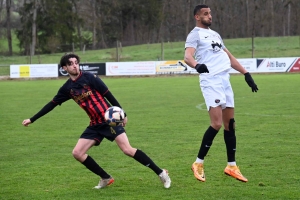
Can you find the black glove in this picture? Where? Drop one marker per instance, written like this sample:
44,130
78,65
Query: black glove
201,68
250,82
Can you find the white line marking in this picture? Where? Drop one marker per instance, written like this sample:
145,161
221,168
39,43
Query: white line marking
199,106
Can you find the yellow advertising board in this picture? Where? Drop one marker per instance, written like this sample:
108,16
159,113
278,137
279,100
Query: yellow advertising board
24,71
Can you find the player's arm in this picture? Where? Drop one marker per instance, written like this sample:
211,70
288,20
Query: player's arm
190,61
189,57
234,63
113,101
237,66
100,86
103,89
59,98
47,108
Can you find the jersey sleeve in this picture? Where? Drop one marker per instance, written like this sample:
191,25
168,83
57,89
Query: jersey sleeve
47,108
98,84
58,99
61,96
192,40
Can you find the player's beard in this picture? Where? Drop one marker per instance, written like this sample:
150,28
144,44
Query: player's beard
206,23
74,72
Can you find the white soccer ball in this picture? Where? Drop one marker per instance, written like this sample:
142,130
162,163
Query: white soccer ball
114,116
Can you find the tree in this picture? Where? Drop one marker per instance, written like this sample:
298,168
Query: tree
100,23
54,25
1,15
79,23
8,26
272,18
1,8
188,13
33,39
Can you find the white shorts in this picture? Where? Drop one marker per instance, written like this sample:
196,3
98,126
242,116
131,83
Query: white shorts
217,91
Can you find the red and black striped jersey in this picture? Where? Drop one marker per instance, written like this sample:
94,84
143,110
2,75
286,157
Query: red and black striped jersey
88,92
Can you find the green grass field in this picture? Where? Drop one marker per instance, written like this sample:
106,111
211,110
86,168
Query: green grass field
167,119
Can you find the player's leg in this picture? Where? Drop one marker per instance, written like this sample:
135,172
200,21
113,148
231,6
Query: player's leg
214,98
80,149
88,139
207,140
215,115
141,157
229,134
230,141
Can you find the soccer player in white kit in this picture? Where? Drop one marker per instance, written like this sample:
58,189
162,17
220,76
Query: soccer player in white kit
206,52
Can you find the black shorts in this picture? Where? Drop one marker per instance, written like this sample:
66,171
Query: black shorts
99,132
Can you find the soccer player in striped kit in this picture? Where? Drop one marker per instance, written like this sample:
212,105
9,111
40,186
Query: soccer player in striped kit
93,96
206,52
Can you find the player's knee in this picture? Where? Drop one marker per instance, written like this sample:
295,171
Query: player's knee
76,154
129,151
216,125
231,124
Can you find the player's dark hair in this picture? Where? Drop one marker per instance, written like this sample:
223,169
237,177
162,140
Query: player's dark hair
199,7
64,61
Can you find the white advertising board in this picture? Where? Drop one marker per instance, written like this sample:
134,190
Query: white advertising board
33,71
248,63
274,64
130,68
173,67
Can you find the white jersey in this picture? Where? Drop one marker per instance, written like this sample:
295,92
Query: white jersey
209,50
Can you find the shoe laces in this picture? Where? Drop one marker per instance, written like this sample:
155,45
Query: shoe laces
200,168
164,176
236,170
104,182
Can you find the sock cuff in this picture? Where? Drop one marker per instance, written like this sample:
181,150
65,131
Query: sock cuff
137,153
229,133
86,160
212,130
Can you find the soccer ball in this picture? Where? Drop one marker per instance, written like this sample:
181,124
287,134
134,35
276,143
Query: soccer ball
114,116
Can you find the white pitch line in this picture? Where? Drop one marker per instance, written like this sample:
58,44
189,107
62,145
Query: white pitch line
199,106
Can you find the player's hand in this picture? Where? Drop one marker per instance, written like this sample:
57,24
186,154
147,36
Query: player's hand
124,122
26,122
250,82
201,68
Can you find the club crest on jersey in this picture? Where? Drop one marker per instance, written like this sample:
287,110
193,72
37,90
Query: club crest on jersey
217,101
216,46
87,87
74,93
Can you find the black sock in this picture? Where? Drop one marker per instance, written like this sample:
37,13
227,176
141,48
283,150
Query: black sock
207,140
94,167
230,141
142,158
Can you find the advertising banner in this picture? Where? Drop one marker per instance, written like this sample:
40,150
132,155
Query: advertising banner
180,67
94,68
295,67
275,64
173,67
248,63
33,71
130,68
